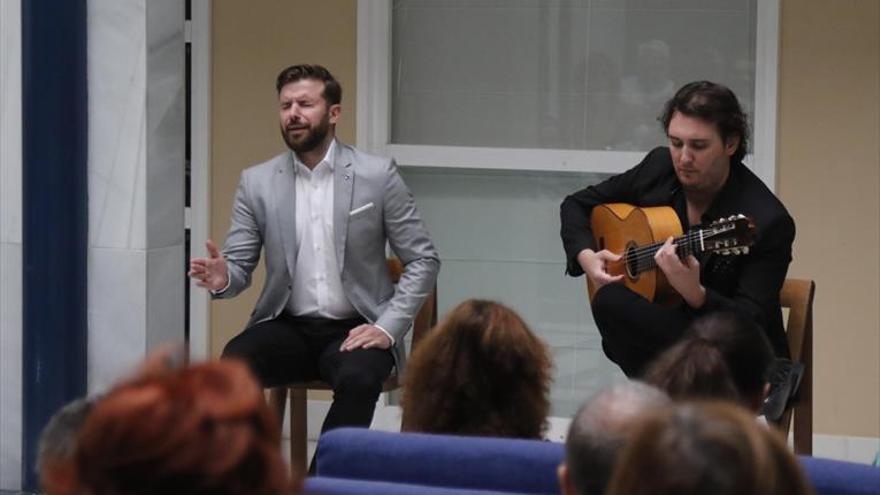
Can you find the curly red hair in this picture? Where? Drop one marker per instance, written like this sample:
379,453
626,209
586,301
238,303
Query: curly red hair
198,430
481,371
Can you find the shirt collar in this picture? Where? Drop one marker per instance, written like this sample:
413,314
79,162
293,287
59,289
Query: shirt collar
328,160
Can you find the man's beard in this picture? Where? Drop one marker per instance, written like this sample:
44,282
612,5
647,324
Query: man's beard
313,138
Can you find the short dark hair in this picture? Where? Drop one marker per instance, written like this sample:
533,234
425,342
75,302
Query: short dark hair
332,90
58,442
716,104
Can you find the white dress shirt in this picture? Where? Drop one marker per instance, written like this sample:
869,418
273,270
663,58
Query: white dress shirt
317,284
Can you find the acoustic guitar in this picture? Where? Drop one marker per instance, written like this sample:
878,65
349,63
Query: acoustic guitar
638,233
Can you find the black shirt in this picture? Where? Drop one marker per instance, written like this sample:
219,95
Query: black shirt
747,284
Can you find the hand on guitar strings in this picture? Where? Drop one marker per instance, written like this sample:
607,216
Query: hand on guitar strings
683,275
595,265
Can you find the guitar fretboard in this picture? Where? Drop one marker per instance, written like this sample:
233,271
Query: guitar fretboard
641,259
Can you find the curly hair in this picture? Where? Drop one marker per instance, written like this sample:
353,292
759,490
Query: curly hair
199,430
716,104
481,371
706,448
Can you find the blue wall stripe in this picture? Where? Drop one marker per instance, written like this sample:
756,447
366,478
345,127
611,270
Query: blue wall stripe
54,214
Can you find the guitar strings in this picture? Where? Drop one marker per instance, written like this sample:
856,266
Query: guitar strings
646,253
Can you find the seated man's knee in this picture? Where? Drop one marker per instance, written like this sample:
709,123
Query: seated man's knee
238,347
359,383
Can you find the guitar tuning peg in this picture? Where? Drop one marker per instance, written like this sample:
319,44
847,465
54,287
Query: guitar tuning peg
745,250
731,218
735,251
740,216
725,252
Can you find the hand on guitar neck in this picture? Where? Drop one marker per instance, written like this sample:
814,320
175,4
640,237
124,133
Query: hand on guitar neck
682,274
630,250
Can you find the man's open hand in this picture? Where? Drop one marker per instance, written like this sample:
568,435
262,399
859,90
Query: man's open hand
210,272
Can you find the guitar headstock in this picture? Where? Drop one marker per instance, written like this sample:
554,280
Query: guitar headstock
731,235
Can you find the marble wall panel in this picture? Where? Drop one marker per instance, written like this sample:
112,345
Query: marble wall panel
10,366
10,122
166,126
117,314
10,245
117,123
136,181
165,296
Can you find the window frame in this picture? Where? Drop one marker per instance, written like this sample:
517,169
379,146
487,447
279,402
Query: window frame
374,110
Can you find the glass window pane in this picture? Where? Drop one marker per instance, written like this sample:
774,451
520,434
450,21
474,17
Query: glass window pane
497,233
559,74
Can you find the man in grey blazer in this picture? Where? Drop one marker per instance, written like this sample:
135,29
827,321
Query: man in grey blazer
322,213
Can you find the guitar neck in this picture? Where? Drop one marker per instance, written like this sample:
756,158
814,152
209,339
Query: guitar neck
687,244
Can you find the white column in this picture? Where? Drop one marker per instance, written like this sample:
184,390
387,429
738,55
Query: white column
10,245
136,182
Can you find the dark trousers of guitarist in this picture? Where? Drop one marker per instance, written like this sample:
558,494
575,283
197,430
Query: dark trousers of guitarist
701,176
633,329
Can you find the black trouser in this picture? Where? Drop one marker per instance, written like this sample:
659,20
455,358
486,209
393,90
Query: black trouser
293,349
634,331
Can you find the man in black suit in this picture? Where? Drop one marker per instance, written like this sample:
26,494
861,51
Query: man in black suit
700,175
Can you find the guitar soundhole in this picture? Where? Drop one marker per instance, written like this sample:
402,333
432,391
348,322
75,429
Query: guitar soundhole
632,261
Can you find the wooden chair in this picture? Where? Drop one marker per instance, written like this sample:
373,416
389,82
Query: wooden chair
425,319
797,296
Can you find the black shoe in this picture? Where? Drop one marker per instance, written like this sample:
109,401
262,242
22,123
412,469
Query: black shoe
785,379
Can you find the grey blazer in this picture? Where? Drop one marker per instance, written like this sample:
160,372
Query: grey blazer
263,217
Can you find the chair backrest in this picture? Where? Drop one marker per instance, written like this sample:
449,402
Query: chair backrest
797,295
427,315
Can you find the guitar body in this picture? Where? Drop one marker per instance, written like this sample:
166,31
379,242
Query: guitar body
619,227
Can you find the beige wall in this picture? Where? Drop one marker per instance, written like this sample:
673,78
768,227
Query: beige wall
829,178
829,161
252,42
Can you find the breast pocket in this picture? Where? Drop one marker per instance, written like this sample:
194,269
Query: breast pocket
362,210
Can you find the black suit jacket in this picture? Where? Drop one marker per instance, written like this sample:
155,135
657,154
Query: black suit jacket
746,284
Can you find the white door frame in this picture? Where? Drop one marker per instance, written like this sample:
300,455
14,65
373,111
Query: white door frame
200,172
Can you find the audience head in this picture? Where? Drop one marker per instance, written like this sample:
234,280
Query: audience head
598,432
722,356
481,371
199,430
58,444
713,103
706,449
